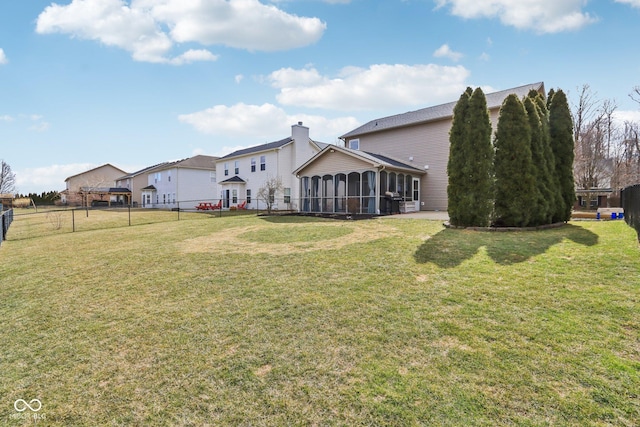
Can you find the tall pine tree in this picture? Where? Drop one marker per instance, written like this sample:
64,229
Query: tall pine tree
561,141
540,213
478,205
455,167
555,202
470,166
514,181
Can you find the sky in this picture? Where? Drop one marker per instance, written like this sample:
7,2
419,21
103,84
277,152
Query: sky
137,82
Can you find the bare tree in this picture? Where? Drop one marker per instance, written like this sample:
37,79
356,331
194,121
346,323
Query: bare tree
635,95
7,179
594,133
626,154
269,190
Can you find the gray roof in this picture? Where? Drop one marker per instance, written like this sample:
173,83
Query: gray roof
258,148
196,162
141,171
233,179
438,112
374,158
391,162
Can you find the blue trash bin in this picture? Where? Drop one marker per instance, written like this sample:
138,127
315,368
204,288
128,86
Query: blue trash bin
613,215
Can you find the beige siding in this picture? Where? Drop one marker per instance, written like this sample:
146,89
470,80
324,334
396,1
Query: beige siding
428,145
336,162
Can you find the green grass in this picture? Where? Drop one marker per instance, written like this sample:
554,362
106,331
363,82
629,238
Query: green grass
303,321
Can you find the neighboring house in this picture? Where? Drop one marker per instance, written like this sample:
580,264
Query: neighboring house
243,172
94,186
136,181
181,184
421,139
6,201
344,180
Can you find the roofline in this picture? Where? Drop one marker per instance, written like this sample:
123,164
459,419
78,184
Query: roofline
91,170
176,164
353,133
231,156
355,154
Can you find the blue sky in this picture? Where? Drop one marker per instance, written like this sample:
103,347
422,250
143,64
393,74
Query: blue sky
138,82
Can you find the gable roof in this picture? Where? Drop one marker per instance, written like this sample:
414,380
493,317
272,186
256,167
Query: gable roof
141,171
438,112
376,160
94,169
196,162
258,148
233,179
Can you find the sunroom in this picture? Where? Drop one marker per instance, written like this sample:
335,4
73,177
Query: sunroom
342,180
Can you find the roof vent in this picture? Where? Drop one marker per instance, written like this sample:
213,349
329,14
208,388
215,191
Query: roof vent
299,123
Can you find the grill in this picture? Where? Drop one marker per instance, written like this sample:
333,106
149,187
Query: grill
391,203
393,196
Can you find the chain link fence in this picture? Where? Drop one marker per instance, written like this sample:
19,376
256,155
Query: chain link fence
6,218
31,223
630,198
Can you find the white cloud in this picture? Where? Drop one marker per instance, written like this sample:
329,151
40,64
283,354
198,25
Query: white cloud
112,23
194,55
150,29
37,180
379,86
6,118
542,16
238,78
445,51
627,116
266,121
3,57
632,3
243,24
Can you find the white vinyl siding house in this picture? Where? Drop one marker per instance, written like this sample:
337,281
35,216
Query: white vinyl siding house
182,184
249,169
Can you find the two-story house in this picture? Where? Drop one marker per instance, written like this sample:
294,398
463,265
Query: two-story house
136,181
94,185
181,184
401,158
244,172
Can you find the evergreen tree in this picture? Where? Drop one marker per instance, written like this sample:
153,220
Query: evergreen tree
477,205
540,213
514,182
455,166
561,140
550,97
555,202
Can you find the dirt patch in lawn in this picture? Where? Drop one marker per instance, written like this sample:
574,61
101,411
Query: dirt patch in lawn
285,239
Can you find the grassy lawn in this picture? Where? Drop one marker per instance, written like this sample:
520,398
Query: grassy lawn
298,321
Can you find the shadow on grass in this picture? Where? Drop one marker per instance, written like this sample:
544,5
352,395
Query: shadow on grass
449,248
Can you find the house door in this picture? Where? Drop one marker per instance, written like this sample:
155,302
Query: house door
416,192
227,195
